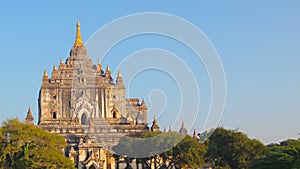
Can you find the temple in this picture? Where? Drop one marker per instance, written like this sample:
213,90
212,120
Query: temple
83,103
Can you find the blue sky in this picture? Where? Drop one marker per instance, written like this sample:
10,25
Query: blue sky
258,44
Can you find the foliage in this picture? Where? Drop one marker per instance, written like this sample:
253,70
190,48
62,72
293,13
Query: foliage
277,156
146,144
189,153
165,149
25,146
229,148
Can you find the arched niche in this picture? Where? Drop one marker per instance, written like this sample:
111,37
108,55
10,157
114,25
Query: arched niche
84,119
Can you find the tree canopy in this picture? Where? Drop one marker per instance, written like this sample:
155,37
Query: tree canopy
165,149
232,149
26,146
283,155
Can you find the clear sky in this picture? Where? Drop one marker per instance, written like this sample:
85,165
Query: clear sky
258,43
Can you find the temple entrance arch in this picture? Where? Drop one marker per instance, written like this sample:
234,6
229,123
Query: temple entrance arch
83,116
84,119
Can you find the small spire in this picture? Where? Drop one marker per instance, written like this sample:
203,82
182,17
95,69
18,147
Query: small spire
54,72
45,73
61,61
183,130
119,74
29,118
195,134
107,72
99,66
78,41
120,80
154,126
143,102
154,120
54,67
165,129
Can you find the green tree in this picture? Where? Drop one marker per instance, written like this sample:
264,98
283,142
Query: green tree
232,149
165,150
146,147
26,146
189,153
277,156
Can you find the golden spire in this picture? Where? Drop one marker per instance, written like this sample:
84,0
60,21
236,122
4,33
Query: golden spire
45,73
78,41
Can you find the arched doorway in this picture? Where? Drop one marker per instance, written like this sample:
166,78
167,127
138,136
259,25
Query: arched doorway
84,119
92,167
54,115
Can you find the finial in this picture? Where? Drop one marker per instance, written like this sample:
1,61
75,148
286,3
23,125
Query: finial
78,41
182,125
29,110
45,74
165,129
61,61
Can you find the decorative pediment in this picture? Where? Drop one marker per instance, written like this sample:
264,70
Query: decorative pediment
83,101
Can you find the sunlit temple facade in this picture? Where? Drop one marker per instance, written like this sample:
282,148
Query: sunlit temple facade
83,103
